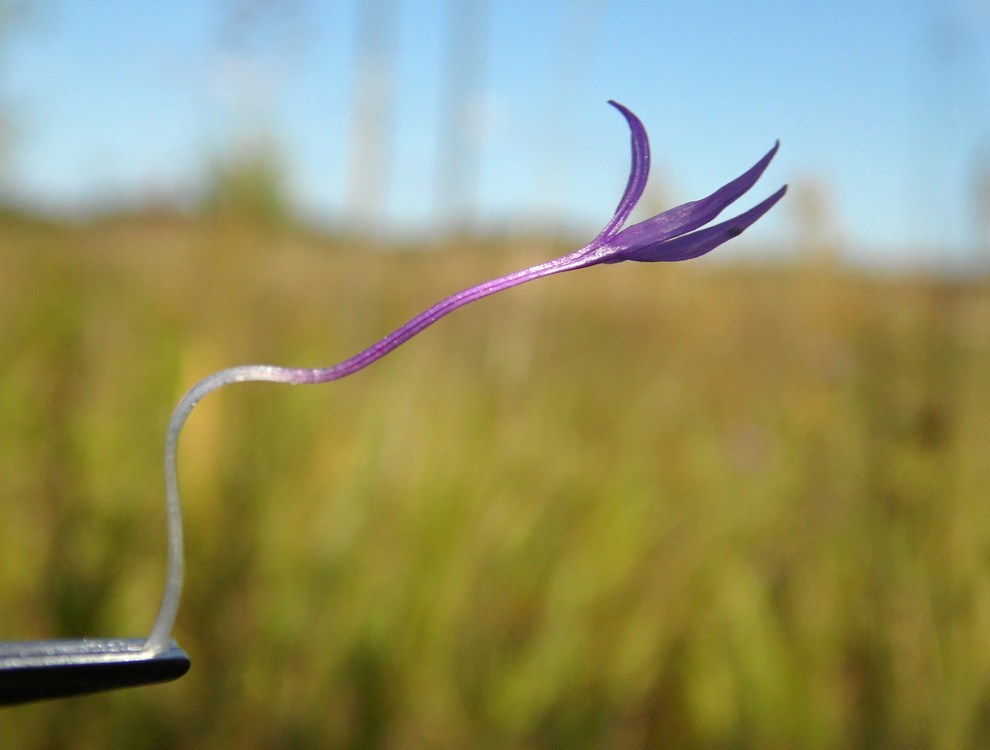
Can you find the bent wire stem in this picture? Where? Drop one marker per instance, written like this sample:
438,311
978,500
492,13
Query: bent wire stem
671,236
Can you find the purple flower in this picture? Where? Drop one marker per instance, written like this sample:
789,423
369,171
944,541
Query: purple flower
673,235
669,236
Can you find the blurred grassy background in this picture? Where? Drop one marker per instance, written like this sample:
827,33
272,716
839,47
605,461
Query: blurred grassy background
639,506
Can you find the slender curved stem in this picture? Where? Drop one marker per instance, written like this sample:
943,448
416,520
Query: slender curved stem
161,633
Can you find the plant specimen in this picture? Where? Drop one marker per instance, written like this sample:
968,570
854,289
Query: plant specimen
678,234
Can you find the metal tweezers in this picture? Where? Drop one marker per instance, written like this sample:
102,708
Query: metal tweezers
38,670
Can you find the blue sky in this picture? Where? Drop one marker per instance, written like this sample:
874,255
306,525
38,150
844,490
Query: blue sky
884,104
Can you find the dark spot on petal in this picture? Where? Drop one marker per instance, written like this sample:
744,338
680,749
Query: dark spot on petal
734,232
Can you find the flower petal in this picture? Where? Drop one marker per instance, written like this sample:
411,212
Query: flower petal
639,171
697,243
689,216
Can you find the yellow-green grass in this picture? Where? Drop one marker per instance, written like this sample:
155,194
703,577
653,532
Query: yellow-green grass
687,505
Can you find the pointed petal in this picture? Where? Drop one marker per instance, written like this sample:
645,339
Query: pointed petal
689,216
639,171
692,245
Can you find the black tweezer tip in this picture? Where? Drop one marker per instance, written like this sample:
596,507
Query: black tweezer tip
39,670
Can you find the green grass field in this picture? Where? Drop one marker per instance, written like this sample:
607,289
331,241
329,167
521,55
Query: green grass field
689,505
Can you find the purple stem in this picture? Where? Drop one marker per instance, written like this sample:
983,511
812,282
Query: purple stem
161,632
